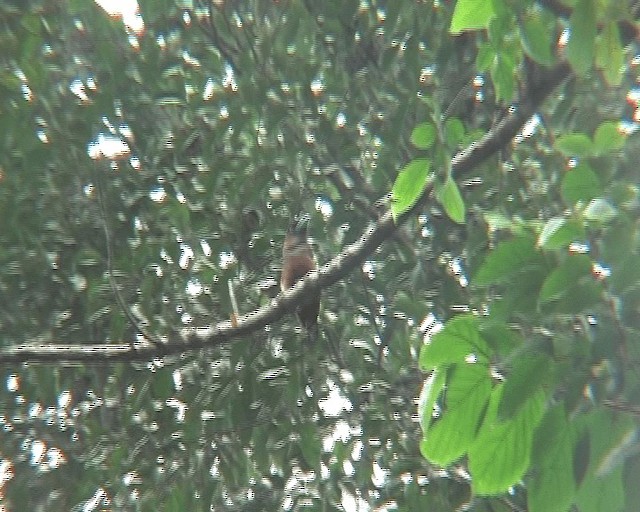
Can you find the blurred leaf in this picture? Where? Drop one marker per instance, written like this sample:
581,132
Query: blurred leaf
552,485
485,57
600,210
582,24
560,232
507,258
471,15
562,280
632,491
575,145
581,456
531,370
580,184
409,185
260,447
537,40
311,445
610,436
581,299
423,135
503,76
620,240
608,138
520,297
31,22
450,198
453,132
610,53
497,220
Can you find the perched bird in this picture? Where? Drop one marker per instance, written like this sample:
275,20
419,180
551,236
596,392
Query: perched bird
298,260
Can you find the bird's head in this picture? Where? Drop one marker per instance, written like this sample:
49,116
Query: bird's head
297,233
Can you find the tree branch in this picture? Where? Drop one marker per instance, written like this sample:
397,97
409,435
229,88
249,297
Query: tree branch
332,272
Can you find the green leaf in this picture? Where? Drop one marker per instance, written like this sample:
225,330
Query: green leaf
560,232
471,15
508,258
503,76
32,23
485,57
500,337
430,392
451,199
575,145
612,436
311,445
562,280
610,54
580,48
580,184
536,40
619,241
453,344
409,185
500,454
423,135
501,26
259,445
448,438
453,132
600,210
552,484
608,138
632,491
530,371
521,293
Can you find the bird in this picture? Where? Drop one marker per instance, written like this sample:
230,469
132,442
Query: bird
298,260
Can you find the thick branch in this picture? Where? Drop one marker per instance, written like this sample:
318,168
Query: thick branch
335,270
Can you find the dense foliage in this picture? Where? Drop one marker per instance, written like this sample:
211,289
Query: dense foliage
484,357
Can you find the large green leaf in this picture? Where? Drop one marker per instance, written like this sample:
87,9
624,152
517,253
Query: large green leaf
611,438
529,373
551,487
508,258
563,279
501,452
430,392
467,393
458,340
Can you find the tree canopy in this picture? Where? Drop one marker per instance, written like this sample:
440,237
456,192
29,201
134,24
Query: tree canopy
471,172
